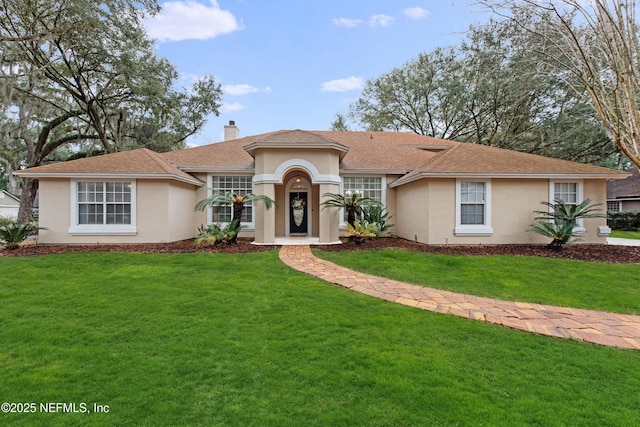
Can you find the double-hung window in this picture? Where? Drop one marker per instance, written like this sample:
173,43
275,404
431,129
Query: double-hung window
240,185
473,208
103,207
571,194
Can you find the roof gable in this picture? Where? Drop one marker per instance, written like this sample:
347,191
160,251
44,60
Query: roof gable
296,139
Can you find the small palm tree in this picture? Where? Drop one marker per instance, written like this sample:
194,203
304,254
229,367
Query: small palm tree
235,200
353,204
559,222
14,233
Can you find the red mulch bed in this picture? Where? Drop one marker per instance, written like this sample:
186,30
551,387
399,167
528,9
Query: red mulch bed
601,253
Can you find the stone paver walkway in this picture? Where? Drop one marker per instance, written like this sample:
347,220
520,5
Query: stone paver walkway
617,330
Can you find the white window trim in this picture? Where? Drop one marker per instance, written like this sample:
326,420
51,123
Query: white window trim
383,192
473,230
106,229
250,226
579,229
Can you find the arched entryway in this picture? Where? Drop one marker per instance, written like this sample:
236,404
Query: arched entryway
299,196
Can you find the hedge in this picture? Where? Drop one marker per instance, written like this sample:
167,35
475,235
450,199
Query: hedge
624,221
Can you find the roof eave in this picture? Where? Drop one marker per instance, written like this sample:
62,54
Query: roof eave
485,175
208,169
251,148
93,175
344,171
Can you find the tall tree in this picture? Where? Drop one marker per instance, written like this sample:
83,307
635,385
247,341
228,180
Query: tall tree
492,90
339,123
595,43
84,72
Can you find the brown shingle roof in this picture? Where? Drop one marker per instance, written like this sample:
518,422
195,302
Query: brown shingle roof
480,160
385,152
625,188
228,155
140,162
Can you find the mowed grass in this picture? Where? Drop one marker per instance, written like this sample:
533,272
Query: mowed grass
566,283
625,234
242,340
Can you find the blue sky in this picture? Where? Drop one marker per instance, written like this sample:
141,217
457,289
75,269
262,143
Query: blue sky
293,64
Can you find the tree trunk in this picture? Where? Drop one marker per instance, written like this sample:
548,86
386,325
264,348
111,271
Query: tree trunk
237,211
351,215
28,196
14,181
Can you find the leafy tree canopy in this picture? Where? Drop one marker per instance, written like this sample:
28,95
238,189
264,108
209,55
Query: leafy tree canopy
83,73
495,89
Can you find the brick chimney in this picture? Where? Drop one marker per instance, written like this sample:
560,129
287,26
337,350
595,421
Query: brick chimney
231,131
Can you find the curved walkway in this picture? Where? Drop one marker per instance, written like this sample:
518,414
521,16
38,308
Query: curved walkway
611,329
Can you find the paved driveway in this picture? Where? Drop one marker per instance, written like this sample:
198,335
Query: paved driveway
622,242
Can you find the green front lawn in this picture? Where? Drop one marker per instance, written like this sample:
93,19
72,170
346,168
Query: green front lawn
625,234
242,340
567,283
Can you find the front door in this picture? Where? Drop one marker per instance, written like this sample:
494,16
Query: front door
298,213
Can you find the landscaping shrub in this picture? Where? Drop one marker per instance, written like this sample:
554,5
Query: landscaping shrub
5,220
360,231
624,221
14,233
378,216
216,234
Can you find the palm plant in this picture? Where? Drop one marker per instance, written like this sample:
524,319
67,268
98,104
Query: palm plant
353,204
14,233
235,200
560,220
378,216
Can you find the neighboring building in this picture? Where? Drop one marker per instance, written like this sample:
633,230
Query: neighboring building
439,192
9,205
624,194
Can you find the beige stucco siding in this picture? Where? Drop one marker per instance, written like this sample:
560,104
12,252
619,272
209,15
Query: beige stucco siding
54,211
181,216
442,211
164,213
426,210
411,213
596,190
630,205
267,161
513,203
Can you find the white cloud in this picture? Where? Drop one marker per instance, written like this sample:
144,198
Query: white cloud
243,89
416,12
381,21
346,22
190,20
374,21
342,85
238,89
231,108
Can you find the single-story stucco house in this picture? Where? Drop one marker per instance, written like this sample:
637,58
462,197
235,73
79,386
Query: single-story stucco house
438,191
9,205
624,194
